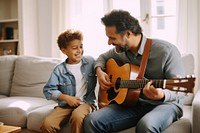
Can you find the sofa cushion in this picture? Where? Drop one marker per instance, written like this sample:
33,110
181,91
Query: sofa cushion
35,117
188,64
3,96
31,74
6,71
181,126
14,110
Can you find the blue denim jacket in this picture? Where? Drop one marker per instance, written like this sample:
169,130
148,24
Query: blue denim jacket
62,81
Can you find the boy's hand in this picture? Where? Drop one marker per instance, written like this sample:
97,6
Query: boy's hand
72,101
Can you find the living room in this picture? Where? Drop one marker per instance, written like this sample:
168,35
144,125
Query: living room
41,21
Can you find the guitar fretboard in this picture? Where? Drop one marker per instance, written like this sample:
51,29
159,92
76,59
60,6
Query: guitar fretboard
135,84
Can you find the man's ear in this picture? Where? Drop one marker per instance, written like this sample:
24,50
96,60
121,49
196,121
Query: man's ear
128,34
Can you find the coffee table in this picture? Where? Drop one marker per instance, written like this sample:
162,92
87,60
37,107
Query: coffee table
9,129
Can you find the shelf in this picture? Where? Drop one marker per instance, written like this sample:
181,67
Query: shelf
8,20
8,48
9,27
8,41
8,9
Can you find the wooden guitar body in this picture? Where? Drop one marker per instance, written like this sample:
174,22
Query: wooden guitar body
124,96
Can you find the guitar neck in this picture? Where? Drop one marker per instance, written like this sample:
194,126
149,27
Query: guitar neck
135,84
179,84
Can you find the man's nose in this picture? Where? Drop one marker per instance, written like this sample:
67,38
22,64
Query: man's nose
109,42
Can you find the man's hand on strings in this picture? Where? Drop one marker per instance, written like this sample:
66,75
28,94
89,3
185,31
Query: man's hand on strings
153,93
103,79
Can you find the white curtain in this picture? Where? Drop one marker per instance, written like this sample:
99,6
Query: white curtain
188,30
60,16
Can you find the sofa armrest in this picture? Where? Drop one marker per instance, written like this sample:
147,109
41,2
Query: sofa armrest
196,112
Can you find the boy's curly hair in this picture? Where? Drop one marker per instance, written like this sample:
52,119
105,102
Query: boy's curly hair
69,35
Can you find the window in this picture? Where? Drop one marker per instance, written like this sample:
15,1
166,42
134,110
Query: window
157,18
163,20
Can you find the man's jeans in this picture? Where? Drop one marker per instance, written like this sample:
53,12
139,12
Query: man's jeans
147,118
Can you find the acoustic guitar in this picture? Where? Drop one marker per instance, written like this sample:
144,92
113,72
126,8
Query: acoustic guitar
126,91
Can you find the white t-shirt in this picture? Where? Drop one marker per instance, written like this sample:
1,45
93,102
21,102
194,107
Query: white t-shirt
75,69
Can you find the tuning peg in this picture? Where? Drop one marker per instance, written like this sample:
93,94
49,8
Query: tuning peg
190,76
178,76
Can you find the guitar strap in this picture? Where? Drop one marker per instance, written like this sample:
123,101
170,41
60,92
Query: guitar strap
144,59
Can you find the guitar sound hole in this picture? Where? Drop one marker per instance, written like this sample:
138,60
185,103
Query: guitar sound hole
111,93
117,84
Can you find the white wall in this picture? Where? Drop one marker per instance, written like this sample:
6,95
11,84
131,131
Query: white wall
28,32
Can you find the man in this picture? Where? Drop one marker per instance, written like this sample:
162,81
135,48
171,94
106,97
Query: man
156,108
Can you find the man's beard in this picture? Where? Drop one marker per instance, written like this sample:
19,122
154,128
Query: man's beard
123,49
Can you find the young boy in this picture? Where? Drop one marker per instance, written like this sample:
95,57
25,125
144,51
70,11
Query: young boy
72,84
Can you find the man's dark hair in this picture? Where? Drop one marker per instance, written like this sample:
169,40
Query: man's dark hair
123,21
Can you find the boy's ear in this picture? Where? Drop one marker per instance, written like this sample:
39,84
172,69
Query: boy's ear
63,50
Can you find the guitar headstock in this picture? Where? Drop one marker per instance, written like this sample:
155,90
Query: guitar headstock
181,84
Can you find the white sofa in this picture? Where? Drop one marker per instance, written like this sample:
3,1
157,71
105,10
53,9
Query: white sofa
23,104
